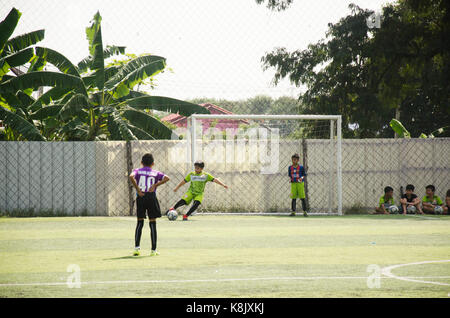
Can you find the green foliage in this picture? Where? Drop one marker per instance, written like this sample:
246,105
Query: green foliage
14,99
21,125
263,104
257,105
366,73
91,100
276,5
402,132
399,129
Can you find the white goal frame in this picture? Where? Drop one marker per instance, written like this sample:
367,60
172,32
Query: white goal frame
334,119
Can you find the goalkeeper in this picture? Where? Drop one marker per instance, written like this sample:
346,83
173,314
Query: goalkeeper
297,175
198,180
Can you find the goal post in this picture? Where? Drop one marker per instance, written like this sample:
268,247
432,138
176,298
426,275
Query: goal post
258,149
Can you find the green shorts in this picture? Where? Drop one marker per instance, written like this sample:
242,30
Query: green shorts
297,190
189,196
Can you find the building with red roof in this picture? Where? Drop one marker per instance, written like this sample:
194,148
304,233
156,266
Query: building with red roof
220,124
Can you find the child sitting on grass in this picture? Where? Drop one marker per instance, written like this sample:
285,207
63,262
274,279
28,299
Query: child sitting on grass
386,201
410,202
447,202
431,201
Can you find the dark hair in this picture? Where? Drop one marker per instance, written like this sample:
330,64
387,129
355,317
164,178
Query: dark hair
448,193
200,164
410,187
147,159
430,186
295,155
388,189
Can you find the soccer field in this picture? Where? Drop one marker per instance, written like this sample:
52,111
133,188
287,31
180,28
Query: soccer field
228,256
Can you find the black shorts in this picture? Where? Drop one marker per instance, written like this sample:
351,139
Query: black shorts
148,205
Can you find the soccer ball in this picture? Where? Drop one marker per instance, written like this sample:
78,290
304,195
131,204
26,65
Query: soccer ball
172,215
411,209
438,209
393,209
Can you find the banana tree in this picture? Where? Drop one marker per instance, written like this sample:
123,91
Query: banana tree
94,101
15,52
402,132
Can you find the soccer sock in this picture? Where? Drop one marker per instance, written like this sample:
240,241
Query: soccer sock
193,207
294,204
179,203
304,204
153,234
138,233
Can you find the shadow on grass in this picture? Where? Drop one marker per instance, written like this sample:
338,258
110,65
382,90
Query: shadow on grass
126,257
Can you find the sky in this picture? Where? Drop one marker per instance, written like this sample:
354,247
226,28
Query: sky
212,47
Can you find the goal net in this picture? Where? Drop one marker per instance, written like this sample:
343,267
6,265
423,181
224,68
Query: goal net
252,153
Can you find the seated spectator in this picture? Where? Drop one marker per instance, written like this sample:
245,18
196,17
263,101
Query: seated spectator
410,202
430,201
386,201
447,203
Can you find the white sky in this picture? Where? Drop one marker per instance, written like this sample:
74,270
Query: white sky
213,46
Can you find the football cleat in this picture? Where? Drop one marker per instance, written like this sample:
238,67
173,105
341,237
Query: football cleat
137,251
154,253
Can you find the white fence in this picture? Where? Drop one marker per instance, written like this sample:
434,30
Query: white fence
90,178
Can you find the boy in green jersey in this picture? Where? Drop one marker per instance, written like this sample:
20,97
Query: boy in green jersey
386,201
198,180
430,200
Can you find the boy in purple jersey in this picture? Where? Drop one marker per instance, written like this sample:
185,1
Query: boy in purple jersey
146,180
297,174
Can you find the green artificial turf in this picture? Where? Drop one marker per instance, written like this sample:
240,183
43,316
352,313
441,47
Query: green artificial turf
226,256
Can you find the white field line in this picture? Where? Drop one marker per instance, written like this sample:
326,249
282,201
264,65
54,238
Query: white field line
218,280
387,272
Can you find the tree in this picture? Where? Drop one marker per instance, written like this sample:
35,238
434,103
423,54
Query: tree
366,74
423,68
278,5
402,132
15,52
335,74
95,101
286,106
260,104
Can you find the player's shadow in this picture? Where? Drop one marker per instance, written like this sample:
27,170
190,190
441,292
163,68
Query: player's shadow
126,257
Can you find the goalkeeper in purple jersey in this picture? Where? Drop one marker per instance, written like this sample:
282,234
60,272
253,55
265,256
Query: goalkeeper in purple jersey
297,175
146,180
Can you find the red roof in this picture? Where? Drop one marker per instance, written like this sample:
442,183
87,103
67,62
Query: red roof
178,120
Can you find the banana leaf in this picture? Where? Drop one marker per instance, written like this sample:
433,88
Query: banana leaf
61,62
21,125
7,27
147,123
35,80
399,129
166,104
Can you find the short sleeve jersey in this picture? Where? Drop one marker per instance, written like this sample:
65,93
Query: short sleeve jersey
198,181
413,196
146,177
435,200
384,201
296,173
